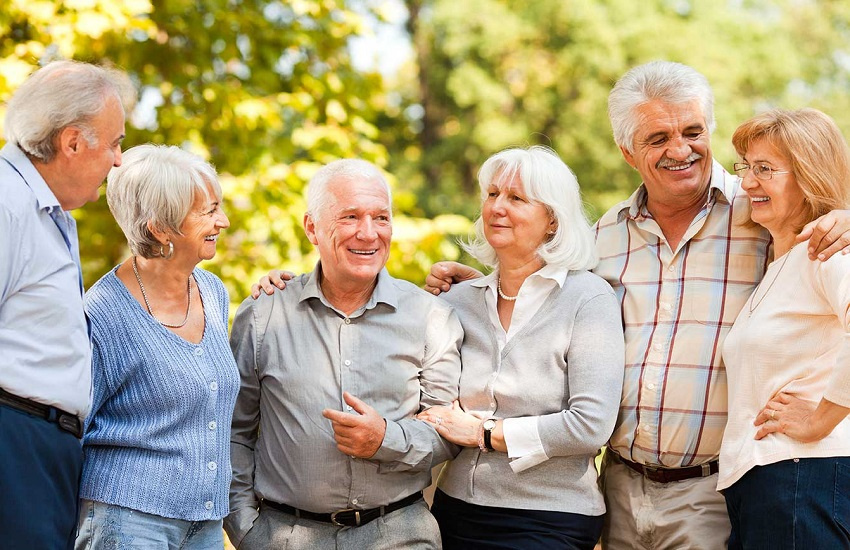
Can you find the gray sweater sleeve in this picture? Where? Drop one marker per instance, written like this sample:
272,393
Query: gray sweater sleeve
595,362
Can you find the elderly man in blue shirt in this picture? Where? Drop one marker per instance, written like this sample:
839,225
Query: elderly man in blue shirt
325,446
64,128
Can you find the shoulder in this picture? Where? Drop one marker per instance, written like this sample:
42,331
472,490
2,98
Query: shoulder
102,294
207,280
17,201
411,296
587,283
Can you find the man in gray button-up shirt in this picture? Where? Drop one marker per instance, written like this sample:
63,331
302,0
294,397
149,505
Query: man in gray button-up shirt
333,370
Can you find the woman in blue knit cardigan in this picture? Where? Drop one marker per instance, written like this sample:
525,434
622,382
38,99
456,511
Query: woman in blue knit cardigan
156,470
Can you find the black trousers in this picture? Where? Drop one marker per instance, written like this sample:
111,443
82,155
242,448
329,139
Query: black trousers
40,467
467,526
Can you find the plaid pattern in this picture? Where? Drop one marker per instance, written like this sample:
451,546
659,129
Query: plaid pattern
677,307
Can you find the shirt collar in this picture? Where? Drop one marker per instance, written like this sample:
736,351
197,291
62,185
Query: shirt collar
635,206
23,165
385,291
556,274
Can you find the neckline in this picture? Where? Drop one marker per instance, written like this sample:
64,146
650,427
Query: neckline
138,308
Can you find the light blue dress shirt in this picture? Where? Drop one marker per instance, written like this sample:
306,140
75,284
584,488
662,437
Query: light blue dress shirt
45,354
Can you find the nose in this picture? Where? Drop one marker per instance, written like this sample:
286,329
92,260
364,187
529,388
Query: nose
679,148
500,203
117,162
366,229
223,221
749,181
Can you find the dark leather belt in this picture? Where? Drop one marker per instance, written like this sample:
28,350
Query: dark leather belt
66,421
347,517
668,475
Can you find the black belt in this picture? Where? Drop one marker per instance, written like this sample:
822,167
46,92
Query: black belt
667,475
347,517
66,421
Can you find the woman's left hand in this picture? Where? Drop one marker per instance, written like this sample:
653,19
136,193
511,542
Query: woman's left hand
453,423
791,416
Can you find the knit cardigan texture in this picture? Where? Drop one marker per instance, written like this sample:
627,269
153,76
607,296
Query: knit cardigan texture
158,435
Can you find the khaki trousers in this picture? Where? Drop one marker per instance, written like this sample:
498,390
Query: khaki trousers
644,514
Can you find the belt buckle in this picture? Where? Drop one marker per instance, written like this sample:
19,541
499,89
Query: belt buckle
356,517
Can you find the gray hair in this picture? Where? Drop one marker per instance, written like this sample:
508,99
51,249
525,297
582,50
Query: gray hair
551,183
347,169
157,184
658,80
62,94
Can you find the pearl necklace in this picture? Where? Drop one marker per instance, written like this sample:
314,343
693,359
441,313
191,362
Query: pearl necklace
148,304
502,294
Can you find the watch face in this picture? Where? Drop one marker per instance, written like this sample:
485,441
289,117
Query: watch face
489,424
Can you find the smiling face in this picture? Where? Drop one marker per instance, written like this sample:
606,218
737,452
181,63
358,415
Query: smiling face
672,152
778,204
353,233
200,229
513,226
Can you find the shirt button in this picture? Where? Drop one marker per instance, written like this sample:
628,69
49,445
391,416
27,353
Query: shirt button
671,268
348,408
493,404
208,505
213,386
212,425
199,351
651,386
347,321
347,363
666,307
212,465
657,347
354,501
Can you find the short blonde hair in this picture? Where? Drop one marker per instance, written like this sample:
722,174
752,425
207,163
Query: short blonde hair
818,153
551,183
157,184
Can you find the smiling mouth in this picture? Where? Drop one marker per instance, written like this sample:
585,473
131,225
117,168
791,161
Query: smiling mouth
211,238
363,252
677,166
759,199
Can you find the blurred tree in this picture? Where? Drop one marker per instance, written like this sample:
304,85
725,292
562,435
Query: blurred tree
263,89
494,73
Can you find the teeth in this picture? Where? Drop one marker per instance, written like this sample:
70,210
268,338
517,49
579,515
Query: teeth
364,252
760,199
211,238
677,168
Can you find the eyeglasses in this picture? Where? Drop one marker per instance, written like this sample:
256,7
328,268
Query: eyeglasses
760,171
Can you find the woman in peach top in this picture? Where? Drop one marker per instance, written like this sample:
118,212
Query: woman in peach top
785,456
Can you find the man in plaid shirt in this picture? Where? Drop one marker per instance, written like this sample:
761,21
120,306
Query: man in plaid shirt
683,258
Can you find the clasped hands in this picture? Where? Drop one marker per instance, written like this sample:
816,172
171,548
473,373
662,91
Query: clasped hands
453,424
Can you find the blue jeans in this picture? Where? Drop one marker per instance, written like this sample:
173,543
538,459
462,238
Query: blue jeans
795,504
105,526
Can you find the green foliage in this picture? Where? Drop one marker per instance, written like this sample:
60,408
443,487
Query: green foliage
496,73
265,90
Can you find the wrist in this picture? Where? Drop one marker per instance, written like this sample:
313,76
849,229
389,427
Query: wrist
485,434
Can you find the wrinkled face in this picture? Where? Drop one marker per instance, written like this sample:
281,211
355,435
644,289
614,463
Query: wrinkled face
92,162
514,226
353,232
778,204
200,229
672,151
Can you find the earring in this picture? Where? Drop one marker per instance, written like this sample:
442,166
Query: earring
170,251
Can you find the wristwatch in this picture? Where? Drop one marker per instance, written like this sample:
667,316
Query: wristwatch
489,425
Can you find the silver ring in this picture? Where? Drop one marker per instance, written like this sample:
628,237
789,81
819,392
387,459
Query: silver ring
439,420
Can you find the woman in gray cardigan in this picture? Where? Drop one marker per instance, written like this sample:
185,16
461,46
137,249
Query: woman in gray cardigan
542,368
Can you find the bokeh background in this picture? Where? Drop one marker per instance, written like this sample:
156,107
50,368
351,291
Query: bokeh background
427,89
